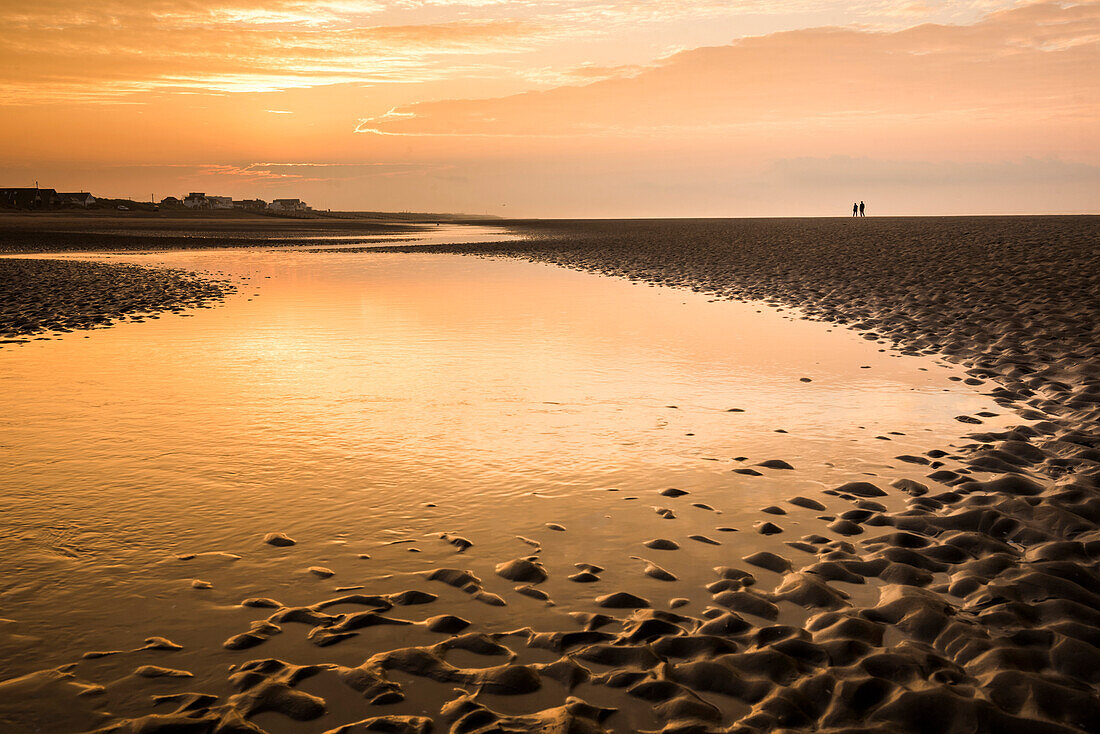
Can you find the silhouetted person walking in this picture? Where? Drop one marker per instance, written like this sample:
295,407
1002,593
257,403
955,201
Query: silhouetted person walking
855,210
861,210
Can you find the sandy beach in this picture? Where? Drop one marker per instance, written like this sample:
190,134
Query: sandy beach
951,589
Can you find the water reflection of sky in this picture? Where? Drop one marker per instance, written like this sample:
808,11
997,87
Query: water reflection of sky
356,388
496,374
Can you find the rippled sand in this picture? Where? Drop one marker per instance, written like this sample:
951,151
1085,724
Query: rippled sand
58,296
954,591
102,230
986,618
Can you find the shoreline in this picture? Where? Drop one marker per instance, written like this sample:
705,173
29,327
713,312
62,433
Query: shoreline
107,231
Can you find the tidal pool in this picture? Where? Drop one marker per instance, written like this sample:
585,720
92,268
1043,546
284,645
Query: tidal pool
365,403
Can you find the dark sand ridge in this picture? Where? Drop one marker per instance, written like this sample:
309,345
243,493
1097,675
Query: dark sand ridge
98,231
40,296
985,613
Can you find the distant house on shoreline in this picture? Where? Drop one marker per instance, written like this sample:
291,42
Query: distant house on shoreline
289,205
170,202
197,200
81,199
257,205
29,198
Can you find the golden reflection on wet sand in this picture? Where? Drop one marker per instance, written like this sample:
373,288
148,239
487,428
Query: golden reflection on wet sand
355,399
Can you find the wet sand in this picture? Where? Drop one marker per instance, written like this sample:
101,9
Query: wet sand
986,612
964,600
39,296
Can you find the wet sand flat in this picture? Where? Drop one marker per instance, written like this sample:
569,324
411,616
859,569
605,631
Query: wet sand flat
901,545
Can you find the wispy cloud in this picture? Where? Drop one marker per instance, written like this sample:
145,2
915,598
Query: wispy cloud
70,59
1036,61
261,171
56,50
278,173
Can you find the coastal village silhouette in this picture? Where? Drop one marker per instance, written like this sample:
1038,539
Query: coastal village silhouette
36,198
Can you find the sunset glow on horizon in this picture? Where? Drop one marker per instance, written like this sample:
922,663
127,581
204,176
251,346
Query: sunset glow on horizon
561,108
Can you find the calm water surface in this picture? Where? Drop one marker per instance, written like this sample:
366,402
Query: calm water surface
363,403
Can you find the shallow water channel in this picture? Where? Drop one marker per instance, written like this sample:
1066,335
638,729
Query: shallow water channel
364,403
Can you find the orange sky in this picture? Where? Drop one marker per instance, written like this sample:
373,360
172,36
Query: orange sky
561,107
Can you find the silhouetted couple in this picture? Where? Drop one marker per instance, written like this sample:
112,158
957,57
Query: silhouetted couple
857,210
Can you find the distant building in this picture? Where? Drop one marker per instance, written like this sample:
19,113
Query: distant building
171,202
81,199
289,205
29,198
197,200
250,204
